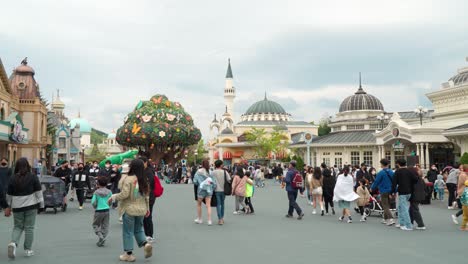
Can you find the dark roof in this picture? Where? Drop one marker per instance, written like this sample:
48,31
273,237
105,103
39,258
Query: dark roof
413,115
227,131
465,126
274,123
460,78
361,101
229,71
297,138
346,137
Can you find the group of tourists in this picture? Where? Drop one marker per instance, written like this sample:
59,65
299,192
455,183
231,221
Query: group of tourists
131,189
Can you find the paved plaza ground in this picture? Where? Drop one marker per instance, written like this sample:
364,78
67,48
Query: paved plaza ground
266,237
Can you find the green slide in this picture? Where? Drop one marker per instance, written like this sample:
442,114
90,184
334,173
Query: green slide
117,159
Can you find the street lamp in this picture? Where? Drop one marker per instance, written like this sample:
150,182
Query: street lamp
83,149
382,118
196,157
420,111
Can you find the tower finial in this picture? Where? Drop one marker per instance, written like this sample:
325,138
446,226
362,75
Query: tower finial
25,61
360,83
229,70
265,96
58,94
79,113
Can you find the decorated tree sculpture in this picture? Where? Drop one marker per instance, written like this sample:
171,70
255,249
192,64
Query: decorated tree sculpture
160,128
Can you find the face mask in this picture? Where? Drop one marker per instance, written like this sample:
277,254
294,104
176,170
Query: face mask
4,163
80,168
107,166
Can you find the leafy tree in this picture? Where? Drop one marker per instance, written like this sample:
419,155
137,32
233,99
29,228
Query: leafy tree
97,137
299,162
95,155
159,128
201,152
323,128
464,158
266,143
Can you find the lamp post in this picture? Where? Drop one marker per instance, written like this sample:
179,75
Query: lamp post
420,111
382,118
196,157
83,150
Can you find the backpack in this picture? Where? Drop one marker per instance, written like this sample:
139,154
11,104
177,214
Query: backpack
419,191
158,188
464,197
298,181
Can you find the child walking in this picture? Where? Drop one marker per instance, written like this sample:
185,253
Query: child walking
344,193
101,214
439,186
249,190
464,202
364,196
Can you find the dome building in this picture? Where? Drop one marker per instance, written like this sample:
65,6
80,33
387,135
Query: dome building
228,141
363,132
85,130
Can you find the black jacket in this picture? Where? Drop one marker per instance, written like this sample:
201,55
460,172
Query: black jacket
5,176
432,175
149,172
80,179
328,185
26,195
105,172
404,179
3,202
59,173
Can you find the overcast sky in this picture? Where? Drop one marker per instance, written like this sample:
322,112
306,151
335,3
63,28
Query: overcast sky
106,55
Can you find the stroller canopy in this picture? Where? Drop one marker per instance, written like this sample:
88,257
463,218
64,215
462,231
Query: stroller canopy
50,179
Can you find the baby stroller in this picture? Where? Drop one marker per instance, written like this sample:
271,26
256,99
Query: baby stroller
374,206
89,192
53,189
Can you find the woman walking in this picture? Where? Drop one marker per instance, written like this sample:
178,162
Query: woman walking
134,202
205,185
24,197
80,180
316,183
238,189
344,193
364,196
328,188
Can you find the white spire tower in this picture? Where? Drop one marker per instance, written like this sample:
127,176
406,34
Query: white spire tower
229,90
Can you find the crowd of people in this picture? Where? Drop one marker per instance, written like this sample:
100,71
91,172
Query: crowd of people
128,188
397,192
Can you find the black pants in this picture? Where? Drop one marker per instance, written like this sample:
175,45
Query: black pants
248,202
292,196
80,196
361,210
452,189
415,214
148,221
328,199
459,206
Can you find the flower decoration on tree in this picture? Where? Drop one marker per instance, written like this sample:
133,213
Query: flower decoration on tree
162,134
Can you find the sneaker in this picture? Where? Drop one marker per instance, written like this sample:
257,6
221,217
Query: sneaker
149,250
420,228
450,208
80,208
350,220
397,225
390,222
322,213
314,212
300,216
327,213
289,216
101,242
150,239
363,219
404,228
12,250
383,221
210,223
29,253
198,221
454,219
341,218
236,212
127,258
220,222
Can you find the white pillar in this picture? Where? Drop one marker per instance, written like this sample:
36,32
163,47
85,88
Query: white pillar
221,153
427,156
418,152
392,157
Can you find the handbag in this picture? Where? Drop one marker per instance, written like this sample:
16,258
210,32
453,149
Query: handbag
227,185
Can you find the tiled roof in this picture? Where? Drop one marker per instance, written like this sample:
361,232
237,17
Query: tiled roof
275,123
465,126
346,137
413,115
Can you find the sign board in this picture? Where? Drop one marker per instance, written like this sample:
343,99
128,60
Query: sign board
398,146
308,137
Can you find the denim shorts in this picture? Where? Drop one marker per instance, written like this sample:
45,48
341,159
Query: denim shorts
202,194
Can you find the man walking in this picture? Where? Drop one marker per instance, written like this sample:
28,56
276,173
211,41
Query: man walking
403,182
292,192
383,182
432,177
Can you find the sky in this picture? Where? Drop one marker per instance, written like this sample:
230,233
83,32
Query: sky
104,56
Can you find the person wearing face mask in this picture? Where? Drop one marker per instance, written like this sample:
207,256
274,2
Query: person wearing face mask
94,170
114,181
106,172
63,172
80,180
5,175
432,177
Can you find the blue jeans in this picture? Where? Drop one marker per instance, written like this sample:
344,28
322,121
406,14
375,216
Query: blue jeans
132,227
403,210
220,196
292,196
441,192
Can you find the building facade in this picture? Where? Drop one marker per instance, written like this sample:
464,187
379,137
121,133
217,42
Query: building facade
363,132
228,139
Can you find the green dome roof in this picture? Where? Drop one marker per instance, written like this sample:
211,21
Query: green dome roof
85,127
265,106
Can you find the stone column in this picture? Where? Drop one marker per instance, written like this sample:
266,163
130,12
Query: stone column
427,157
392,157
220,150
